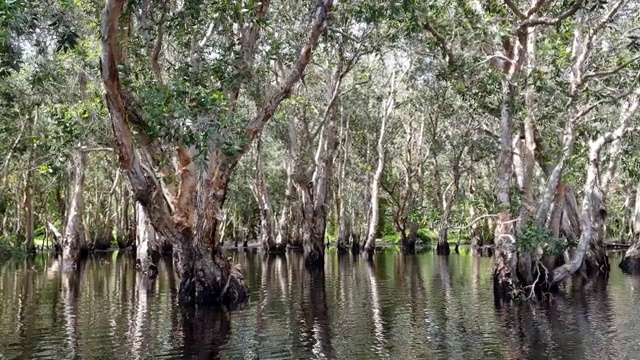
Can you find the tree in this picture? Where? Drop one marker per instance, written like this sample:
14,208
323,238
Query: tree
206,276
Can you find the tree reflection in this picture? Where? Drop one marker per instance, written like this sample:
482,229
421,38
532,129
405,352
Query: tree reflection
204,331
316,317
70,293
376,310
416,290
144,287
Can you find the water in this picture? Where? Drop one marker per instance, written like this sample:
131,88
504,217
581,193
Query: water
403,307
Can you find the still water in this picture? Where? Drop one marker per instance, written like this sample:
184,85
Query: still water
401,307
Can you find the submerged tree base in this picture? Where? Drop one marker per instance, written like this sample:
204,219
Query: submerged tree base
506,290
355,248
409,248
212,280
443,249
367,253
631,262
597,261
314,259
277,249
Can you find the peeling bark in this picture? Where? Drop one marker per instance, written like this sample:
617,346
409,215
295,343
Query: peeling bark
147,253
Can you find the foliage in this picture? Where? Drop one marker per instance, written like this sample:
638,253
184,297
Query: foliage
531,237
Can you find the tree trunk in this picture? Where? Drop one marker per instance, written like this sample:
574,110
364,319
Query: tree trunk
590,251
355,234
343,227
27,201
124,236
629,204
27,205
635,218
73,240
408,241
443,247
631,262
341,199
314,199
505,279
147,254
476,237
570,215
374,204
284,222
267,232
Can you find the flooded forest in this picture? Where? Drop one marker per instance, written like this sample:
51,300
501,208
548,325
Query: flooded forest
319,179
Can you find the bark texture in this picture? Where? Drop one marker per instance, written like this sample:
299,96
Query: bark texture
73,238
314,199
147,254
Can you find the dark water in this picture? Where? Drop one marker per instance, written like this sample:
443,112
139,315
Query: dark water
402,307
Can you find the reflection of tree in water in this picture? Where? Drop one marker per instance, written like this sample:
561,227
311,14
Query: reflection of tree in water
144,288
70,294
264,300
204,330
24,286
376,311
516,333
316,317
282,273
574,315
416,290
344,269
563,326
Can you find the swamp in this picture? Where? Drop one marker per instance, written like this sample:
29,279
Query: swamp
319,179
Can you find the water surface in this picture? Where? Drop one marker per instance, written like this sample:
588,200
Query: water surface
400,307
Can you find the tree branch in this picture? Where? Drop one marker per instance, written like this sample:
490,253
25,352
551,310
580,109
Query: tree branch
515,9
601,74
317,28
443,41
157,46
552,21
534,9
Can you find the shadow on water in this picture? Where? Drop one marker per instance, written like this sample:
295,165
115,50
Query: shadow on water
397,306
